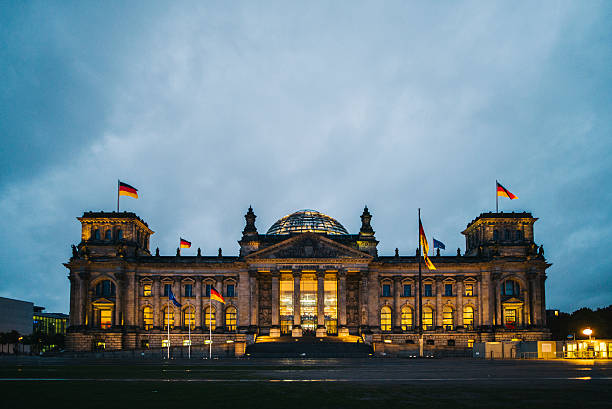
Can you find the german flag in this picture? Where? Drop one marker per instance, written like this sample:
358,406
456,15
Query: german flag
184,243
127,190
425,247
502,191
214,295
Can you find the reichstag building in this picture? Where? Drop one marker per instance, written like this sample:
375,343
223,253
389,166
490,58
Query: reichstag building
307,276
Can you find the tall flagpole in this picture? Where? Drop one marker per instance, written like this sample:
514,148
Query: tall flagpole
420,314
168,324
210,323
496,198
189,323
118,195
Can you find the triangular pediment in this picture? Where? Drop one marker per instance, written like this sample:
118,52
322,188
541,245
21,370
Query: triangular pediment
512,300
311,246
102,302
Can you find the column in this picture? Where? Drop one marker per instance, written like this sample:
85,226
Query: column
363,299
341,300
219,313
297,319
76,305
459,304
498,306
119,299
321,332
439,301
253,296
129,297
275,329
157,312
397,313
198,303
485,295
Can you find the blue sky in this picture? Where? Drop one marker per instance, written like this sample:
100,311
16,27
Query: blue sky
209,107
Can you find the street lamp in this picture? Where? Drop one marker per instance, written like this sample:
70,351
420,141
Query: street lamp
587,331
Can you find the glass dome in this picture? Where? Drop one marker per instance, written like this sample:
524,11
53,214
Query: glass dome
307,220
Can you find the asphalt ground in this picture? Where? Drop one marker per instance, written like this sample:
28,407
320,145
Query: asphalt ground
322,383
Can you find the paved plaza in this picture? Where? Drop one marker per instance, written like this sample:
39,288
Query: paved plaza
457,383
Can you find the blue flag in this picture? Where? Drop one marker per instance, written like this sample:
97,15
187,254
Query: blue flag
439,245
172,298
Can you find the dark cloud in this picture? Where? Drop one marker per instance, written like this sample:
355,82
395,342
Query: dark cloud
208,109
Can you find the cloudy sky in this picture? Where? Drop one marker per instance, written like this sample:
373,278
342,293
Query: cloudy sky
210,107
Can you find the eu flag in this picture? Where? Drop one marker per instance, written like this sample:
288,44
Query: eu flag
172,298
438,245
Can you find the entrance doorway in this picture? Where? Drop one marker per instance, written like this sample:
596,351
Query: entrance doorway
308,304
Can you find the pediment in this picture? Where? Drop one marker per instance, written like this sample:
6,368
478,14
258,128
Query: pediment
512,300
311,246
102,302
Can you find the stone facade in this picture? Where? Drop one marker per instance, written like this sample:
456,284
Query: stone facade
306,281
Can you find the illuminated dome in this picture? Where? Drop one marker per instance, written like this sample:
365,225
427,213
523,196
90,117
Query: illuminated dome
307,220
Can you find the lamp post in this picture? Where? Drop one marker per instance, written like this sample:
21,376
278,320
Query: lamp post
587,331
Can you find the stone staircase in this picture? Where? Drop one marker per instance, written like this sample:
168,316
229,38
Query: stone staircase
308,347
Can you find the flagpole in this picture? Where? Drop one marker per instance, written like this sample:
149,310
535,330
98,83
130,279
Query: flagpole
496,198
118,195
210,323
420,314
189,323
168,324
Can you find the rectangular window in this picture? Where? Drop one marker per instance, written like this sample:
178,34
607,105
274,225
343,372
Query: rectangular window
106,318
448,290
286,304
428,290
146,290
188,290
386,290
470,343
230,290
167,288
407,290
469,290
207,290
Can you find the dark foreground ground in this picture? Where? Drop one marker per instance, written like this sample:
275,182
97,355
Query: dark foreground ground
33,382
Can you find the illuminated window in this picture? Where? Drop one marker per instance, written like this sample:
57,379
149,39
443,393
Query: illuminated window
308,302
188,290
385,319
447,318
105,288
230,290
189,317
147,318
167,289
469,290
168,318
510,317
468,317
146,290
470,343
407,290
230,318
107,235
106,318
512,288
448,290
330,304
406,318
210,319
386,290
96,234
428,290
286,304
427,318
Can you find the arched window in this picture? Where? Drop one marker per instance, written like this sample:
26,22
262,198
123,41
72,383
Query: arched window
189,317
428,318
209,319
406,318
385,318
511,288
168,317
96,234
107,235
147,318
119,234
495,235
230,318
468,317
105,288
447,318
